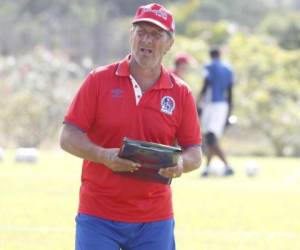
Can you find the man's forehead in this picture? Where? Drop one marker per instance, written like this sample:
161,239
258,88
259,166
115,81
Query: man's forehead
148,25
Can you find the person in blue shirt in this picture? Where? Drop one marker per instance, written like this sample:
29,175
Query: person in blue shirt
215,106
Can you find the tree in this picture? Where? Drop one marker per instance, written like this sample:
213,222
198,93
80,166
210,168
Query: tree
34,92
285,28
267,96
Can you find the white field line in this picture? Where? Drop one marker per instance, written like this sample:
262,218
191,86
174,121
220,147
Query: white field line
214,233
244,234
41,229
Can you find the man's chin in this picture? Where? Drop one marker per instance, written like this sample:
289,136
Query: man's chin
146,63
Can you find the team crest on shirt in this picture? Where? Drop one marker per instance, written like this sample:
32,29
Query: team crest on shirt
167,105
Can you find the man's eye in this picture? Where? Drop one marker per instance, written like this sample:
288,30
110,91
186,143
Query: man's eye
157,35
141,32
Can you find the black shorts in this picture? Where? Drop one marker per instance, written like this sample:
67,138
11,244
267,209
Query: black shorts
210,139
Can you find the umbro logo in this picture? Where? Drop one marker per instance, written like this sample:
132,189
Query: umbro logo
116,93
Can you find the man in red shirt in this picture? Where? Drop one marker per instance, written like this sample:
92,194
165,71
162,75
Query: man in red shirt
182,62
135,98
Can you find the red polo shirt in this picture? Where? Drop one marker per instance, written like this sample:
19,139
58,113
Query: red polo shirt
108,106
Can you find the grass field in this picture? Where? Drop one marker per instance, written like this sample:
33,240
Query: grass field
38,203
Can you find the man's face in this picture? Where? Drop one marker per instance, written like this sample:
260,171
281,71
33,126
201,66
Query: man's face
182,68
149,43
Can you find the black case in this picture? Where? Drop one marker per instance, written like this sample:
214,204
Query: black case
152,157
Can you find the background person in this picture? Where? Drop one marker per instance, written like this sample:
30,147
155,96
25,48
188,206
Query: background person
136,98
182,62
215,99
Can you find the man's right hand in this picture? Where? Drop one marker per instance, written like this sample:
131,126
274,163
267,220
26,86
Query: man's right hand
115,163
76,142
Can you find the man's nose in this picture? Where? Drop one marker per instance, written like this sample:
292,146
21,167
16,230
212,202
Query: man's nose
147,38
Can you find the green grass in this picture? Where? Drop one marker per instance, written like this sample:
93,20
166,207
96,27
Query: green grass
38,203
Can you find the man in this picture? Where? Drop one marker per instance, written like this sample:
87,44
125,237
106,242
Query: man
128,99
215,101
181,65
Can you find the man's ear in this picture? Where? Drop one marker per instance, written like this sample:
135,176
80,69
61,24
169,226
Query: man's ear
170,44
131,34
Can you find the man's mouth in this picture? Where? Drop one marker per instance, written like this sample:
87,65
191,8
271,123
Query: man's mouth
145,50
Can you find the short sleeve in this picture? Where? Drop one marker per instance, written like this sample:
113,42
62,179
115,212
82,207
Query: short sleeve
189,131
82,110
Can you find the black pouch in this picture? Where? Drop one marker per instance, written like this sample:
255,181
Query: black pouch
152,157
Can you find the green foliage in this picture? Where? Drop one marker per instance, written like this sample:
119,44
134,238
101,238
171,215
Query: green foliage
244,13
34,92
284,27
267,96
213,33
81,28
37,84
97,28
182,12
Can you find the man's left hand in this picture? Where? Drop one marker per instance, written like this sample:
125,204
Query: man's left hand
173,172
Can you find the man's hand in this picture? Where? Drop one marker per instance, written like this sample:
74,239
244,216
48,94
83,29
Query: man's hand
76,142
173,172
117,164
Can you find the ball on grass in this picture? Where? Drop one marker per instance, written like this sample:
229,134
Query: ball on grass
29,155
251,168
216,168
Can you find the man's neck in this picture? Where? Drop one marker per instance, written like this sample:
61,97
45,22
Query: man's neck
145,77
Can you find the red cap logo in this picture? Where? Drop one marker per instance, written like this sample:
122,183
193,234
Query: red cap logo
156,14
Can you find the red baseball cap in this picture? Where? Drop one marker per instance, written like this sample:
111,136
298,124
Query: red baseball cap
156,14
182,58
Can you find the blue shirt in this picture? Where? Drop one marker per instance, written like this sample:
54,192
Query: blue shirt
220,78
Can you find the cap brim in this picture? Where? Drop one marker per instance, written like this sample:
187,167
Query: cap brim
149,20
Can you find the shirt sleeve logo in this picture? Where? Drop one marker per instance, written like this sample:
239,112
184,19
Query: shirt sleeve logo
167,105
